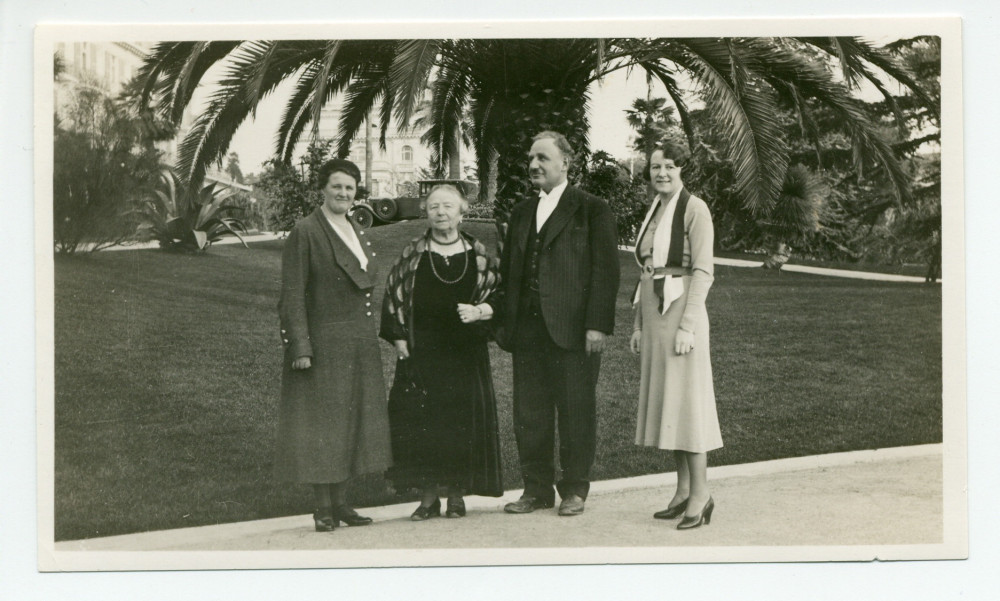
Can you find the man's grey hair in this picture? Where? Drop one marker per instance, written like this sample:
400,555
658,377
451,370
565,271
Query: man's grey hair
560,141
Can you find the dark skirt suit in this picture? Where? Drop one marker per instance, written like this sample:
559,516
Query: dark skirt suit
445,433
332,421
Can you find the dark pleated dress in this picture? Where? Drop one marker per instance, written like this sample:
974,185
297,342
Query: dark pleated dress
445,432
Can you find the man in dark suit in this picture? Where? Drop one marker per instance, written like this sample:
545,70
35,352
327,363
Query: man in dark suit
554,309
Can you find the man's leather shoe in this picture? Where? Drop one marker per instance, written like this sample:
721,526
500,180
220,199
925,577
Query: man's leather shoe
571,505
527,504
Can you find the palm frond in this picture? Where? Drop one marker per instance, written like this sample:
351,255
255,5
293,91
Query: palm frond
209,138
366,90
666,77
296,114
264,52
777,64
319,92
855,54
409,73
749,116
451,91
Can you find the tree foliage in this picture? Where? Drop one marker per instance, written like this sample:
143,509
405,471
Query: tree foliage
289,194
610,180
102,155
512,88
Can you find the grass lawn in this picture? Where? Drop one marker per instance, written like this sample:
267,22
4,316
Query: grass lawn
167,372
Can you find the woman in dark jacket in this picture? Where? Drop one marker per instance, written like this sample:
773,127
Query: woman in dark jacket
442,410
333,421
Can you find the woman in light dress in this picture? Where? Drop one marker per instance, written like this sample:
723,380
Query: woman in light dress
676,397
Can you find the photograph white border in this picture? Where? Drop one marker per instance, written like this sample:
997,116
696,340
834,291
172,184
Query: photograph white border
910,581
955,543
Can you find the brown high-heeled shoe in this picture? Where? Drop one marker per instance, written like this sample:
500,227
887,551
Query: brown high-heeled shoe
703,517
672,512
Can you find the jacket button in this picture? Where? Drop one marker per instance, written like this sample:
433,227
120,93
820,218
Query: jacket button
373,254
368,243
286,340
368,304
369,314
368,295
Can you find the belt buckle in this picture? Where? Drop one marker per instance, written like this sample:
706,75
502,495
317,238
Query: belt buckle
647,269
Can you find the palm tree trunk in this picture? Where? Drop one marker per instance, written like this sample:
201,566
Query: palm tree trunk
531,110
455,158
368,154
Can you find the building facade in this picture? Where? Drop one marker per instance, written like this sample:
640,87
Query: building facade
109,65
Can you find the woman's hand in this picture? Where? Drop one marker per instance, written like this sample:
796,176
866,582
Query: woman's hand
683,342
469,313
402,349
302,363
634,342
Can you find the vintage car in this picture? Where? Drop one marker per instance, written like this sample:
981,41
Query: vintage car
378,211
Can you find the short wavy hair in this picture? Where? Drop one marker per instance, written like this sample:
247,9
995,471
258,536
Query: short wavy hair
336,166
671,149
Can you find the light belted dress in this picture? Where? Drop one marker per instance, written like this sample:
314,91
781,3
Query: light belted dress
676,395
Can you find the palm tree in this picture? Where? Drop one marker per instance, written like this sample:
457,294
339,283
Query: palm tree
513,88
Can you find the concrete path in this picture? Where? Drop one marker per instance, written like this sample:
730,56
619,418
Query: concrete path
839,273
775,510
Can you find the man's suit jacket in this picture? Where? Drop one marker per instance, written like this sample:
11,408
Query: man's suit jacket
578,269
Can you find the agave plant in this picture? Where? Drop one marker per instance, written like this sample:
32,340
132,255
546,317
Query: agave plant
184,218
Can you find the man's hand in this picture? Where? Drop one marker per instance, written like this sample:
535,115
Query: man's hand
595,341
302,363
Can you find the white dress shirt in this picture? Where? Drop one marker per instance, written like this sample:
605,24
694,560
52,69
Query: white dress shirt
548,203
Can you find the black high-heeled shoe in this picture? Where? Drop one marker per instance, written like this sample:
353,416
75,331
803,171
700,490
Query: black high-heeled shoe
422,513
323,519
346,514
456,508
704,517
672,512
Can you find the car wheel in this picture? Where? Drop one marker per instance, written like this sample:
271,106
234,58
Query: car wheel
363,217
385,208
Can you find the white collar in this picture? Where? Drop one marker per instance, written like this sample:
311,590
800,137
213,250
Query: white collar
554,194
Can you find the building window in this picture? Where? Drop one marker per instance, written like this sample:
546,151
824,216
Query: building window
407,154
